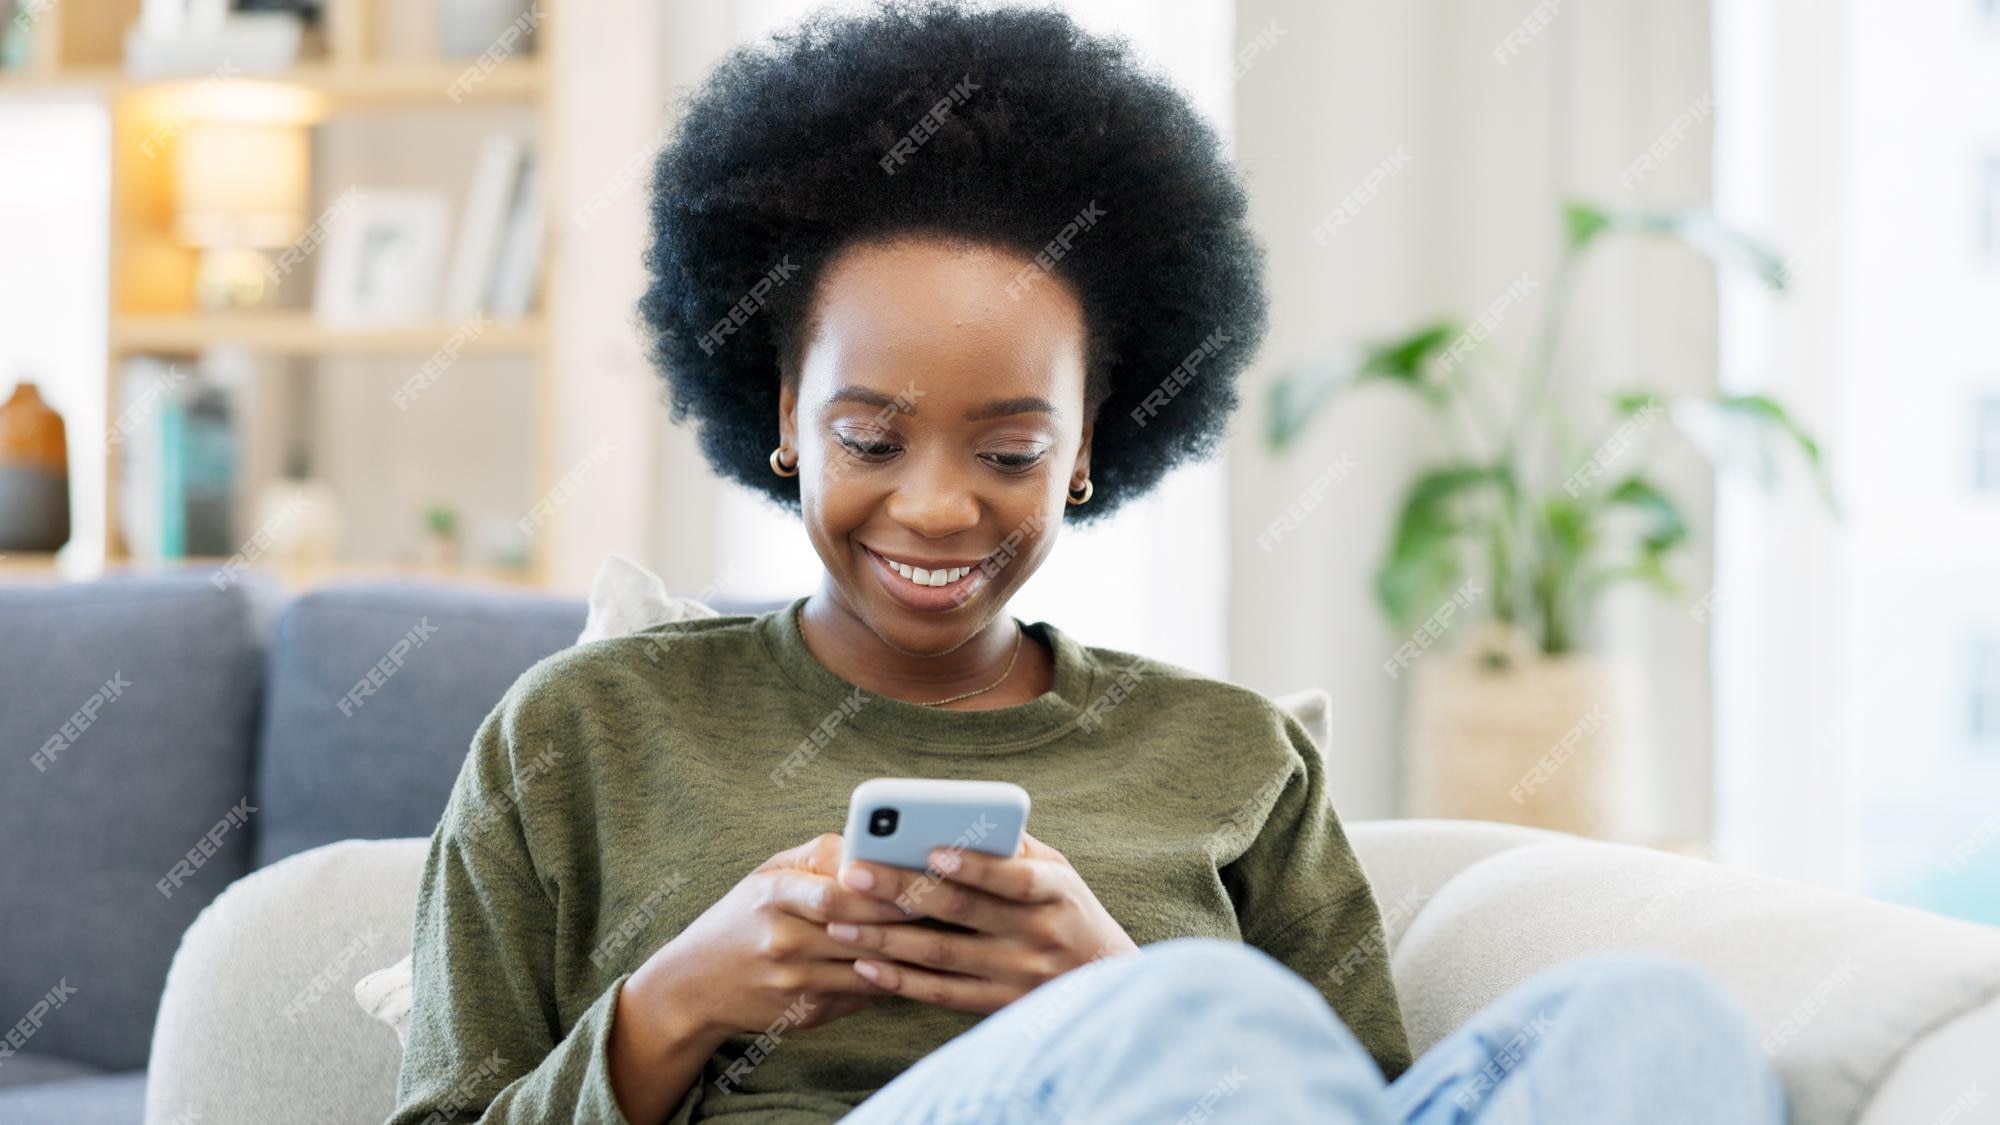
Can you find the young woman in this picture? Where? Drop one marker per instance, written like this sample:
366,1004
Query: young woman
940,280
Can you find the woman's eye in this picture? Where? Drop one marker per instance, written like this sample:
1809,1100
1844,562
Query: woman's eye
1015,461
868,449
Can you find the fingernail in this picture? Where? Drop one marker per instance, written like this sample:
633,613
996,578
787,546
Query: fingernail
867,969
842,931
860,878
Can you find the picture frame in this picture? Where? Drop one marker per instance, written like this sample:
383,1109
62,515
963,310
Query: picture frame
383,260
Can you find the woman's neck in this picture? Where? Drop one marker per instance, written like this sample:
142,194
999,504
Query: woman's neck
841,640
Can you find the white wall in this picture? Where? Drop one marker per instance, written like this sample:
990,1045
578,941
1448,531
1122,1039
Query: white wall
1340,94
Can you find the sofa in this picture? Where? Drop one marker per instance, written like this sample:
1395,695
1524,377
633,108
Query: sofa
170,734
224,832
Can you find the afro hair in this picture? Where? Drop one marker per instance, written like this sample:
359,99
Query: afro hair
998,127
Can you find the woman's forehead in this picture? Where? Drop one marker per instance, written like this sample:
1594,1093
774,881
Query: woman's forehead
936,324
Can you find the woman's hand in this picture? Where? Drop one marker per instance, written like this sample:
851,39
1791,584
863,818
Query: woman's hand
760,953
1032,918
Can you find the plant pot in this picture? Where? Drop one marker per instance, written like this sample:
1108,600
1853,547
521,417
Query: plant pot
1497,730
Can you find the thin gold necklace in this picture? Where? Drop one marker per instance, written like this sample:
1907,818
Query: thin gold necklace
1018,634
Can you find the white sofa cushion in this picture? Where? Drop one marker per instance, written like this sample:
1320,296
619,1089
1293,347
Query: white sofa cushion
1407,861
1842,986
254,1023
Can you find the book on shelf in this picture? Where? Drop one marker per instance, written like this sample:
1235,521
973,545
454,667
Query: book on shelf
482,225
521,257
177,463
498,255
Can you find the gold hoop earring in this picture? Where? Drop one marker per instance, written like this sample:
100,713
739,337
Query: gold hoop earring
777,466
1088,488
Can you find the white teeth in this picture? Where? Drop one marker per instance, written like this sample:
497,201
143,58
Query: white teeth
924,577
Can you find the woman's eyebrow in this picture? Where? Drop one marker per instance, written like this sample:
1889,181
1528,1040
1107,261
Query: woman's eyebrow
999,408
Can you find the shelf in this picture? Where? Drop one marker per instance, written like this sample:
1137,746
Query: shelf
303,577
295,332
18,568
401,85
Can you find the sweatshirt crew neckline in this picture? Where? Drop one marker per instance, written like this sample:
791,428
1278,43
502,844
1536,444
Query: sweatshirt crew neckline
933,729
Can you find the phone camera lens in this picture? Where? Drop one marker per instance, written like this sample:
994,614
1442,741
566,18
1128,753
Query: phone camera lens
882,822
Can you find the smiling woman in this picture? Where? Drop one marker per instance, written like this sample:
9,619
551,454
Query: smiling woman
931,278
986,209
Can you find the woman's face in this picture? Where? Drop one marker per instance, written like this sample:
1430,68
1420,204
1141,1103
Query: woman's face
938,419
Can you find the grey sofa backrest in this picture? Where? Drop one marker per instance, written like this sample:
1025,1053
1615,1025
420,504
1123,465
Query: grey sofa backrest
127,716
375,691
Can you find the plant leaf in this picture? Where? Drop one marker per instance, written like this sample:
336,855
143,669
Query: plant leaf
1666,526
1762,422
1664,529
1583,222
1632,402
1649,569
1299,394
1723,244
1425,556
1408,358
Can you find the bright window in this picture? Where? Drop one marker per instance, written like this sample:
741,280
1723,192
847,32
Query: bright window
1858,659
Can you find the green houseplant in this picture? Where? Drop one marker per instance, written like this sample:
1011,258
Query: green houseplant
1544,505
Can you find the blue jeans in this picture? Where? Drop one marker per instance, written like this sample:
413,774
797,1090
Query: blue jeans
1199,1031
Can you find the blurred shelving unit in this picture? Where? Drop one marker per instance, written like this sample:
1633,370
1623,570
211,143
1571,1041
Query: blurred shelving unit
152,305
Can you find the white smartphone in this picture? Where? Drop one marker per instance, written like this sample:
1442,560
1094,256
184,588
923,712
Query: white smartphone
898,820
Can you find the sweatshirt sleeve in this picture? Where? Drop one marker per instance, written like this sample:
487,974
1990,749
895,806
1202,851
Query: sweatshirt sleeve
485,1041
1302,897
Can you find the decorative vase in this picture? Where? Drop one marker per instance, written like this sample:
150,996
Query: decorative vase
1498,730
34,474
299,521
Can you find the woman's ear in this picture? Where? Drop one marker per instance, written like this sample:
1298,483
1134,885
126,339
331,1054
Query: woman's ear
788,402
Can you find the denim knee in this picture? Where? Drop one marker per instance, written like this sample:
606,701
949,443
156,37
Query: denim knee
1196,968
1675,995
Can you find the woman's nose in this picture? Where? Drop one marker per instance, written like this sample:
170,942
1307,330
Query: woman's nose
934,502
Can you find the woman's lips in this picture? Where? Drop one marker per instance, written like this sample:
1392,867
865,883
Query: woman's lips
928,599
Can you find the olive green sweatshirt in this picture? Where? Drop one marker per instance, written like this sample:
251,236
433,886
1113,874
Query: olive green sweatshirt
623,786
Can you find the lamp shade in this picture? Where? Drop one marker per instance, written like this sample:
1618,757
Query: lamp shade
240,184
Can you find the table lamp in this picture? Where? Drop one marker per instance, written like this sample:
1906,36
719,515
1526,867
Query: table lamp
241,190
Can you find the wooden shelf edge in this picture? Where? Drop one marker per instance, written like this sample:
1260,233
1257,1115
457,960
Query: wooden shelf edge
445,83
297,333
41,567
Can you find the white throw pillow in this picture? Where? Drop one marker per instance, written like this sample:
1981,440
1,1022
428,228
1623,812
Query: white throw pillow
626,597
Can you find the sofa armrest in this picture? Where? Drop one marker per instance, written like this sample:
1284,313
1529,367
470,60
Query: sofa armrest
1946,1076
258,1022
1858,1001
1408,861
